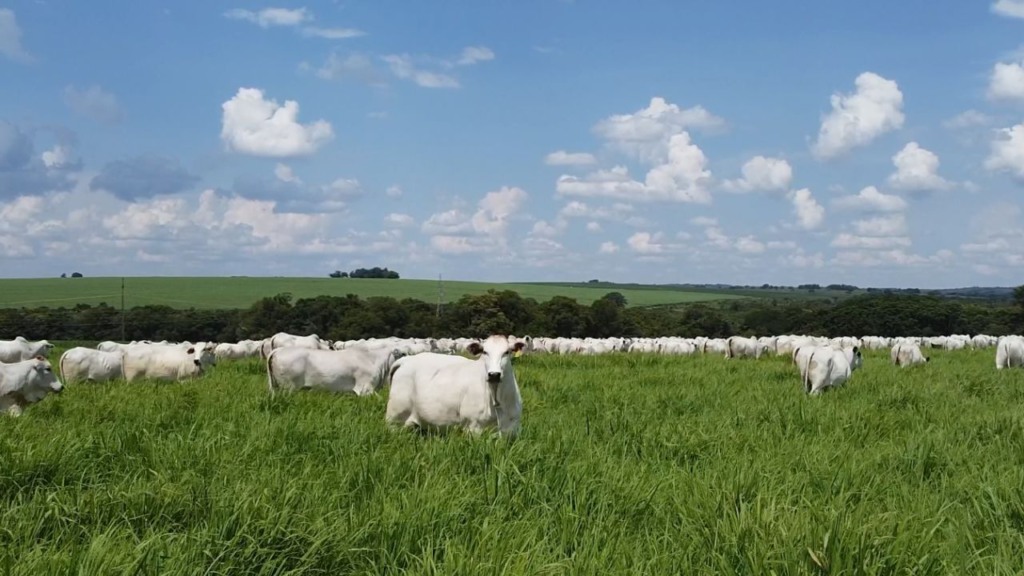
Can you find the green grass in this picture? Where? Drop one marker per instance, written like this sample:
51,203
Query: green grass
626,465
240,292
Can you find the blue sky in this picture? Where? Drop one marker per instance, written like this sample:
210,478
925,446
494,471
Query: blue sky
877,143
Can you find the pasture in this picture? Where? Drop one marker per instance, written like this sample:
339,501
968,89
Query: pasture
627,464
241,292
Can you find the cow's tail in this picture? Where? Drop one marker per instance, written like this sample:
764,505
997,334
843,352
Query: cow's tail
394,368
385,369
271,384
807,373
60,365
728,347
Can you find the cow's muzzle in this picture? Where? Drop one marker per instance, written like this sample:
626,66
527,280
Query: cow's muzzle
493,377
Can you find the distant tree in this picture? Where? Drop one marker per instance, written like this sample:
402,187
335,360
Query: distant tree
338,274
615,297
375,272
594,281
63,274
76,274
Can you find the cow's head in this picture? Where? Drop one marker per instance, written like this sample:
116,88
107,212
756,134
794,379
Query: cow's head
496,352
43,348
202,354
40,380
856,359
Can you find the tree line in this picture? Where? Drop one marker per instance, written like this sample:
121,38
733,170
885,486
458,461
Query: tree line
375,272
505,311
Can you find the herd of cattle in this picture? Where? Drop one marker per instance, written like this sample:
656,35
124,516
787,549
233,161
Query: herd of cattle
432,382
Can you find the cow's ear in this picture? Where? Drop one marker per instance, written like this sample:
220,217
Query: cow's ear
475,348
518,346
190,351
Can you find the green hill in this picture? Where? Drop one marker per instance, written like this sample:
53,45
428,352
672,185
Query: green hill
240,292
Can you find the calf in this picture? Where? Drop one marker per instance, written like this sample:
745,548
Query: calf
26,382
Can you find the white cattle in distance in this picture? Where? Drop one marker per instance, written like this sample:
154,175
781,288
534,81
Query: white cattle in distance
983,341
1010,352
441,391
905,354
284,339
166,363
88,364
355,370
828,367
21,349
26,382
742,347
237,351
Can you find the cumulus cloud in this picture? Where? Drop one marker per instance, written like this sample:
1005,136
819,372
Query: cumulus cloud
354,66
870,199
1009,8
485,230
762,174
917,170
563,158
646,132
143,177
399,220
94,102
809,213
875,108
403,67
608,248
1007,153
332,33
256,126
393,191
473,54
1006,81
10,38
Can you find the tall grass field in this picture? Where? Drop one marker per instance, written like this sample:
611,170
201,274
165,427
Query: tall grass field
627,464
241,292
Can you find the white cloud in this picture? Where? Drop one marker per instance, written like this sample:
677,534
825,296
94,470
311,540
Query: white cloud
917,170
449,222
56,157
646,132
704,221
10,37
486,230
1009,8
762,174
473,54
749,245
888,225
809,213
402,67
284,173
563,158
393,191
875,108
400,220
94,102
869,199
259,127
846,240
800,259
544,229
967,119
593,226
1007,153
608,248
1006,81
268,17
647,243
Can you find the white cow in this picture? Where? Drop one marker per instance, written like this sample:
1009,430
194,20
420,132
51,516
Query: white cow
906,354
440,391
284,339
26,382
168,363
829,367
89,364
243,349
1010,352
357,370
21,349
741,347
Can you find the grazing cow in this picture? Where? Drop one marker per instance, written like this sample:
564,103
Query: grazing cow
21,349
357,370
439,391
740,347
906,354
243,349
1010,352
284,339
167,363
829,367
111,346
26,382
88,364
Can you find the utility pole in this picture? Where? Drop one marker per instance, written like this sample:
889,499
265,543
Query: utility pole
122,308
440,295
